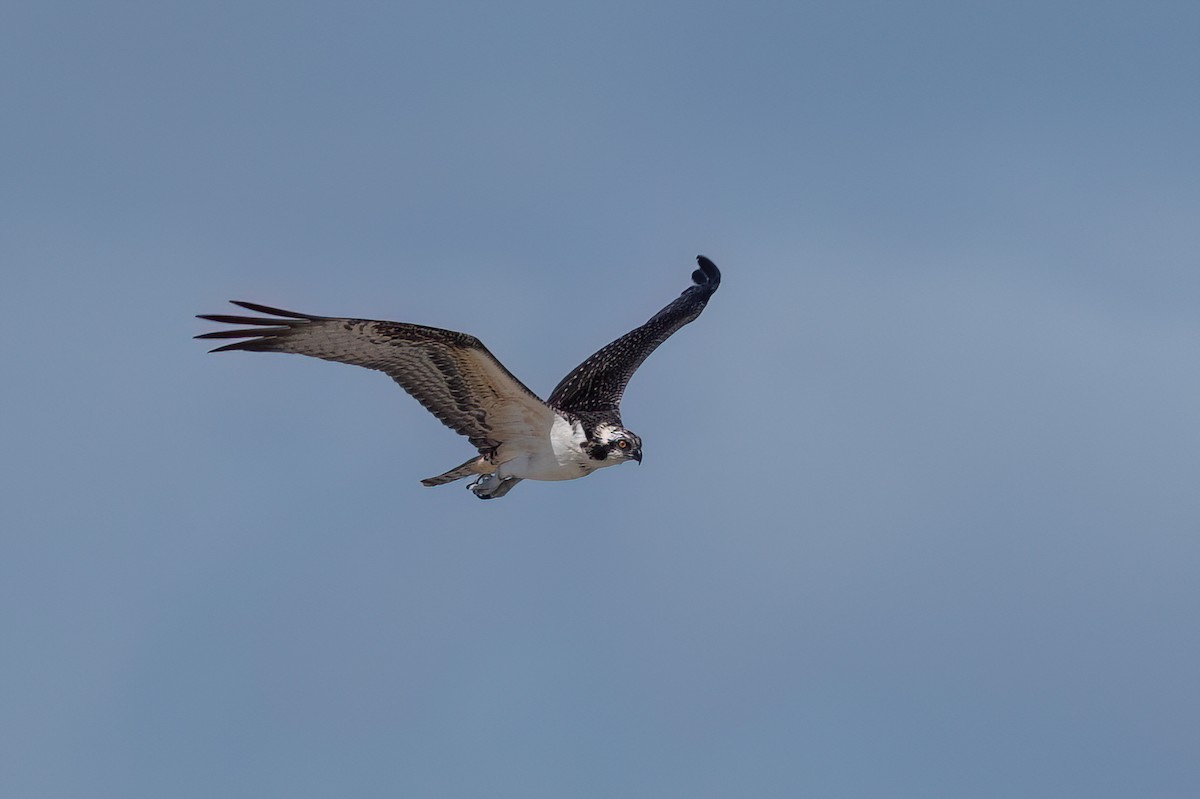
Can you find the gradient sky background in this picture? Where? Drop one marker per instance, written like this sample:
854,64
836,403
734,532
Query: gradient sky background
919,514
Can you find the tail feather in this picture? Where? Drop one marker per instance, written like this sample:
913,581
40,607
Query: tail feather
457,473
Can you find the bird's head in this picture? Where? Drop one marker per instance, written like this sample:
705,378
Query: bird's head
612,444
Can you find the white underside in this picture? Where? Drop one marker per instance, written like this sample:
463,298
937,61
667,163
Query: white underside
556,455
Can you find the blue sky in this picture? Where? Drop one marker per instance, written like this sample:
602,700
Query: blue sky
918,515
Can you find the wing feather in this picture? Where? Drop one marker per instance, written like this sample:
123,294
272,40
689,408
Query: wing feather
597,384
452,374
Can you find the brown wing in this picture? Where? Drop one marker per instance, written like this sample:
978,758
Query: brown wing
452,374
597,384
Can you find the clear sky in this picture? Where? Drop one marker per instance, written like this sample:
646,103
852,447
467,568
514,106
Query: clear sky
919,514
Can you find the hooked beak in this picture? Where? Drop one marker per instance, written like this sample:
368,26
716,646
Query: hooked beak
637,456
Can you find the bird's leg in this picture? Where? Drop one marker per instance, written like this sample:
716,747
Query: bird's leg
489,486
485,485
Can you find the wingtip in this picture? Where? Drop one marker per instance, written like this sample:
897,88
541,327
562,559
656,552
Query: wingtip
267,309
707,274
235,346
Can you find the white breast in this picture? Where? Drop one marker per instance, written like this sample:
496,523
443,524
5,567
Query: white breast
558,455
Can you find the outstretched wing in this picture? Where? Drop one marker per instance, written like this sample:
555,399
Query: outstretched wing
598,383
452,374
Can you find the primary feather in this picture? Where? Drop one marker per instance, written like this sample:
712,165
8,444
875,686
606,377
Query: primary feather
457,379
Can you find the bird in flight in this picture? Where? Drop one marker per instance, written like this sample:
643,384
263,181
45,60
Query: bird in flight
574,432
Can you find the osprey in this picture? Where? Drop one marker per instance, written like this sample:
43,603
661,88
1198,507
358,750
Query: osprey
519,437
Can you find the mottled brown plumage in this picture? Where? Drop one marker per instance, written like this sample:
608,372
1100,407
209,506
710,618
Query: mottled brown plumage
597,384
460,382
